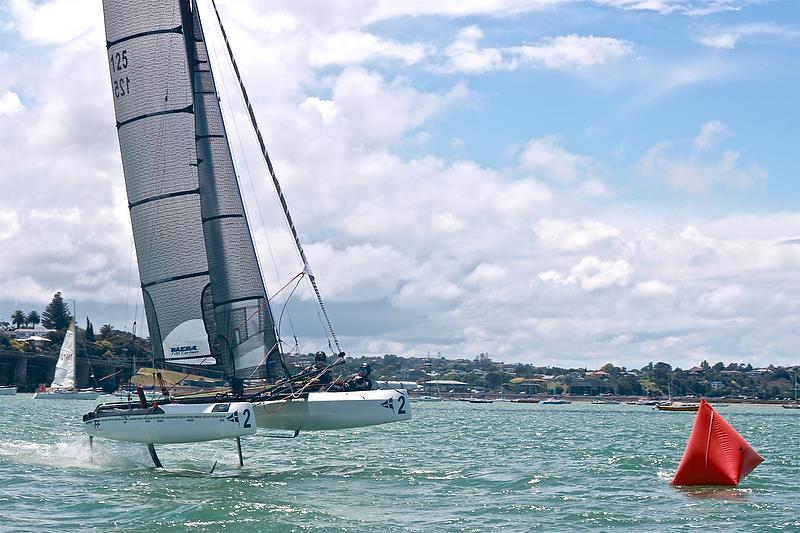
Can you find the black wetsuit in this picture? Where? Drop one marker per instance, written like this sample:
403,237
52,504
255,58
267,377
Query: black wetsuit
314,373
358,383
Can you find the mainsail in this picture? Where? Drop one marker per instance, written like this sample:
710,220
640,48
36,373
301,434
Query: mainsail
64,377
203,291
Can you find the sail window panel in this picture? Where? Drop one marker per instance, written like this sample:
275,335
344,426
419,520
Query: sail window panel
176,302
124,18
221,194
149,74
232,261
157,156
168,237
203,80
213,114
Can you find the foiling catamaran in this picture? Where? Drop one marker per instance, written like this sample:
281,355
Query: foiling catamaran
204,296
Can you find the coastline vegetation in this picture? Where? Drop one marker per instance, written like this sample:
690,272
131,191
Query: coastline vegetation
479,374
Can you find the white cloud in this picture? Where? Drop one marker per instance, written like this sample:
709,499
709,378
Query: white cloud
547,160
366,100
574,51
10,104
327,109
693,175
593,274
712,133
56,21
725,301
573,236
464,55
722,41
566,52
353,47
653,289
728,37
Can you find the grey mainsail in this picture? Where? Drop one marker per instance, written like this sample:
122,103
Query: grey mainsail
202,287
244,322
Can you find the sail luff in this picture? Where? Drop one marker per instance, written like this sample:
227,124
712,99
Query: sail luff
64,377
245,329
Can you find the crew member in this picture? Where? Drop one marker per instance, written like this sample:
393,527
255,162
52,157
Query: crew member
318,378
361,380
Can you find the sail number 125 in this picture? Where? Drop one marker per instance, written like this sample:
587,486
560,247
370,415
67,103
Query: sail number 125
118,61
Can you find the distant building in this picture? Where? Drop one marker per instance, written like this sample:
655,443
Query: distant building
24,333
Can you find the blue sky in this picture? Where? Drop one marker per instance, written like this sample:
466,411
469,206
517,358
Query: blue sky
548,181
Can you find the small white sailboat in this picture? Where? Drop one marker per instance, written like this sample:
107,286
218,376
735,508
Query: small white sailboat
63,385
205,297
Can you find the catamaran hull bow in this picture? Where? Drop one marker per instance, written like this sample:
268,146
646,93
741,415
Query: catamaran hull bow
171,423
334,410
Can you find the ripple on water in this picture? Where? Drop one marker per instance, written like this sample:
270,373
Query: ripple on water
454,467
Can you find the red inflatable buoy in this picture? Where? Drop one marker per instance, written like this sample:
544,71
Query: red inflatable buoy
716,454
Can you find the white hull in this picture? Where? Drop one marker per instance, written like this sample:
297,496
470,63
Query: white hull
174,423
334,410
134,397
8,391
67,395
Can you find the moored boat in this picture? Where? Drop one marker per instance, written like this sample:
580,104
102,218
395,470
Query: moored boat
555,401
690,407
7,390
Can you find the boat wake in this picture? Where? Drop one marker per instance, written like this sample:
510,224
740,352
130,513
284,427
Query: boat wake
71,452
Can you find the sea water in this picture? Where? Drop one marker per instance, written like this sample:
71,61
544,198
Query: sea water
455,466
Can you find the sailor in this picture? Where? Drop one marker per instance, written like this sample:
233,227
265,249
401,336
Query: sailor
318,378
361,380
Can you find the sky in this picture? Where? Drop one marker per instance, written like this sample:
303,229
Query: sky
546,181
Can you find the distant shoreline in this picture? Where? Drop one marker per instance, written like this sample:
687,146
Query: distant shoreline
621,399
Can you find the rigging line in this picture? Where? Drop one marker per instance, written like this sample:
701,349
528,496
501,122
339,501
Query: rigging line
286,302
275,182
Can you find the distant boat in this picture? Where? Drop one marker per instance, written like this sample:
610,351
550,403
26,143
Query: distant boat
426,399
605,402
555,401
690,407
7,391
643,401
63,385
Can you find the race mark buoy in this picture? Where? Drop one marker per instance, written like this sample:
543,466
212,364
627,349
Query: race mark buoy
716,454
